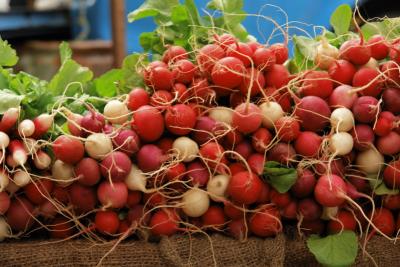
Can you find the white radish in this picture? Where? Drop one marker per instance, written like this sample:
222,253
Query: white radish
26,128
4,140
372,64
62,172
341,143
195,202
342,119
4,180
116,112
370,161
98,145
217,186
221,114
18,152
41,160
21,178
271,111
136,180
5,230
329,212
325,54
186,149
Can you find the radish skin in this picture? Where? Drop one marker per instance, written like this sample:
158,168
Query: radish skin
370,161
42,160
62,172
325,54
26,128
221,114
329,212
116,112
98,145
18,152
136,180
217,187
4,180
9,119
195,202
271,112
42,124
21,178
342,120
4,140
186,148
341,143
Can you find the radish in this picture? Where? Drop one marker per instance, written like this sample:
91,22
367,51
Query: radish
180,119
154,199
287,128
38,191
282,152
176,172
316,83
19,214
344,220
68,149
4,140
343,96
134,198
161,98
150,158
195,202
304,185
164,222
233,211
180,91
266,222
253,81
330,190
247,118
325,54
256,163
12,188
389,144
342,71
92,122
83,198
107,222
244,149
391,174
4,229
313,113
214,218
18,152
281,52
62,172
309,210
312,227
113,195
74,124
213,155
329,212
370,161
116,166
197,173
368,79
31,146
290,211
88,171
26,128
264,58
355,51
224,40
308,144
365,109
281,200
136,180
98,145
9,119
47,209
183,71
232,138
221,114
42,160
261,139
208,55
127,141
4,180
379,47
241,51
185,148
244,187
271,112
116,112
61,228
42,123
391,71
21,178
217,186
277,76
158,77
174,53
391,202
206,129
137,98
4,202
391,100
383,220
342,120
384,124
363,136
237,228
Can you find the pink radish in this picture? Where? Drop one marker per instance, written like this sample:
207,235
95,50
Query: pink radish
355,51
115,166
150,158
92,122
308,144
127,141
342,96
365,109
20,214
88,171
42,123
305,183
4,202
9,119
247,118
282,152
363,136
74,124
113,195
68,149
137,98
313,113
330,190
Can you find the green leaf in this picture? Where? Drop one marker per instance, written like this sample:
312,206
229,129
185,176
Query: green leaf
334,250
307,47
69,78
8,56
147,40
106,84
380,188
228,6
280,177
341,18
8,99
193,13
65,52
131,71
152,8
179,14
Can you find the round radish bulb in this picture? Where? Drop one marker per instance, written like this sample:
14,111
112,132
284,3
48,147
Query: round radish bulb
379,47
116,112
266,222
115,166
150,158
244,187
247,118
389,144
341,143
264,58
107,222
256,162
176,172
197,173
253,81
308,144
221,114
280,51
208,55
113,195
342,71
369,80
342,120
244,149
277,76
391,174
370,161
174,53
206,129
137,98
4,203
241,51
363,136
313,113
214,218
228,72
98,145
42,123
391,71
22,178
309,209
287,128
217,186
271,112
158,77
42,160
365,109
330,190
92,122
383,220
344,220
325,54
283,153
136,180
304,185
317,83
186,149
224,40
88,171
164,222
195,202
391,100
261,139
68,149
342,96
26,128
62,172
355,52
74,124
127,141
180,119
183,71
213,154
148,132
19,215
161,98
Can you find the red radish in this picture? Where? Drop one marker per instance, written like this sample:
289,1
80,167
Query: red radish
228,72
9,119
165,144
212,155
368,79
176,172
290,211
185,148
281,52
61,228
312,227
148,132
127,141
266,222
61,194
254,45
261,140
197,173
309,209
236,167
195,202
42,123
20,214
282,152
180,91
389,144
244,187
83,198
154,199
237,228
363,136
391,71
379,47
241,51
180,119
365,109
244,149
68,149
41,160
304,185
264,197
107,222
38,191
19,153
224,40
214,218
391,174
116,166
233,211
150,158
247,118
313,113
335,166
256,162
232,138
287,128
271,112
355,52
253,81
208,55
48,210
342,71
161,98
205,129
74,124
88,171
317,83
391,202
277,76
158,77
384,124
325,54
137,98
264,58
4,202
113,195
383,220
344,220
137,214
308,144
391,100
92,122
174,53
183,71
281,200
164,222
330,190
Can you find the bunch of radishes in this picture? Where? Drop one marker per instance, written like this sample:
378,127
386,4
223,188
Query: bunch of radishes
190,155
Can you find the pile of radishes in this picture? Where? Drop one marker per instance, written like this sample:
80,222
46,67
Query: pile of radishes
189,156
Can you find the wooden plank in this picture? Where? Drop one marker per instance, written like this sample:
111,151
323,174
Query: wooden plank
118,19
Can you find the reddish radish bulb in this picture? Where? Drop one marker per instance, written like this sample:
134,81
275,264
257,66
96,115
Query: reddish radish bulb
308,144
174,53
281,52
197,173
391,100
365,109
213,155
4,202
88,171
61,228
261,140
342,71
342,96
368,79
150,158
355,52
20,214
304,185
148,132
244,149
113,195
83,198
92,122
379,47
158,77
180,119
264,58
256,162
363,136
107,222
205,129
254,45
161,98
241,51
127,141
266,222
116,166
183,71
237,228
253,81
344,220
383,219
391,174
309,209
68,149
391,202
277,76
317,83
384,124
313,113
228,72
282,152
74,124
137,98
208,55
281,200
244,187
42,160
43,122
164,222
224,40
214,218
287,128
38,191
391,71
234,211
247,118
9,119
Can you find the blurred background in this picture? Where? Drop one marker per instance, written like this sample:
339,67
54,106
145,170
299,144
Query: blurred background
35,27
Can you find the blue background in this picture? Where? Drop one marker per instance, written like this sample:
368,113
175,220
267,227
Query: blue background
310,12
